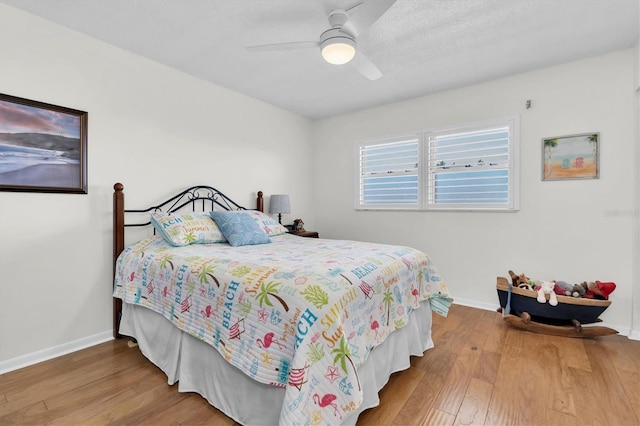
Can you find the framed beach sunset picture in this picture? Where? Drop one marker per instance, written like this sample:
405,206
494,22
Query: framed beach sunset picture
43,147
571,157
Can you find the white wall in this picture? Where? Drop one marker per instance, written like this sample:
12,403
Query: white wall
562,231
150,127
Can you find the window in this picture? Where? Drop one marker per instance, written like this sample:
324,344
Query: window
389,173
471,167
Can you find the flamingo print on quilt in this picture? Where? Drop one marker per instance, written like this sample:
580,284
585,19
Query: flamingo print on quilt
300,313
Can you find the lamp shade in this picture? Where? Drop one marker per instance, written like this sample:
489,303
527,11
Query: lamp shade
279,204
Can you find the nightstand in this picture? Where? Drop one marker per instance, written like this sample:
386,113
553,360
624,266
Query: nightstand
307,234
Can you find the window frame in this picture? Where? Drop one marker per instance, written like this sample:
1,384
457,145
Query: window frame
425,175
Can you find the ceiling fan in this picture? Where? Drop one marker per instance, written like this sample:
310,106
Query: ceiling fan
338,44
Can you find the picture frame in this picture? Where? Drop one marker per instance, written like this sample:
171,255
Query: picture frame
43,147
571,157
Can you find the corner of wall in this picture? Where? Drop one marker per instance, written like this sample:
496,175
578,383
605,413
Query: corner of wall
635,312
637,63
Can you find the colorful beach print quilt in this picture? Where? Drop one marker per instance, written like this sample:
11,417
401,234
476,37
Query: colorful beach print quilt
299,313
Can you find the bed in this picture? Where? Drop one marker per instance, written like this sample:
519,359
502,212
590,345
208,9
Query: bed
267,326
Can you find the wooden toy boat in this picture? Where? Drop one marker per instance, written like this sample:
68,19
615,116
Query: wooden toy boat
522,310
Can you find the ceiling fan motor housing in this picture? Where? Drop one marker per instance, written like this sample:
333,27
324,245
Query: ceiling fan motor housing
338,17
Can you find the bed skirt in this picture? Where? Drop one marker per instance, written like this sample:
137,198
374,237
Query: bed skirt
197,367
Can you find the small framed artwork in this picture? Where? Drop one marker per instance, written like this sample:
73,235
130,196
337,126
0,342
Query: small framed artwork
571,157
43,147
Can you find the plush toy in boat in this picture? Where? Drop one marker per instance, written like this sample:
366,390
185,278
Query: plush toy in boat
546,287
578,290
517,279
521,281
600,290
563,288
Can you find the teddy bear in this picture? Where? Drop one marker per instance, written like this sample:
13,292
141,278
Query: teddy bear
579,290
544,288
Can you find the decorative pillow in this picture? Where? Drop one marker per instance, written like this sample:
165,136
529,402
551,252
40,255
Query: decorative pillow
270,226
240,228
182,229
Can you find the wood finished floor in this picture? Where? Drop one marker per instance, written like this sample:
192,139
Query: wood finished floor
481,372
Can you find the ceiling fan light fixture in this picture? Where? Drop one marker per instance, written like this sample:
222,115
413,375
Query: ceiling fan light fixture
338,50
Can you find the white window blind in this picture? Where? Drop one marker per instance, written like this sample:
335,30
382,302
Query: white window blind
389,173
470,167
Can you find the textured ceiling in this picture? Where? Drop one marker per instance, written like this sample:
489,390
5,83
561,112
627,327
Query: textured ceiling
420,46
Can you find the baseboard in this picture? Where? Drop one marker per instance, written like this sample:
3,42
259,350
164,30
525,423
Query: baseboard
476,304
634,335
54,352
624,331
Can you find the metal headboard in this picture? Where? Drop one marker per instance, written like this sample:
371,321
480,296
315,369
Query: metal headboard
205,196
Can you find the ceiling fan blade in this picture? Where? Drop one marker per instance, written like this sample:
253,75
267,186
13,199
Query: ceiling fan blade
364,14
365,67
284,46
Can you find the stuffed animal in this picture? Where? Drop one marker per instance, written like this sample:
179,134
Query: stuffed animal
544,288
521,281
530,285
516,280
600,290
578,290
562,288
298,225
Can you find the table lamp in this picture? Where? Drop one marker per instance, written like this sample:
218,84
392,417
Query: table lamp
279,204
